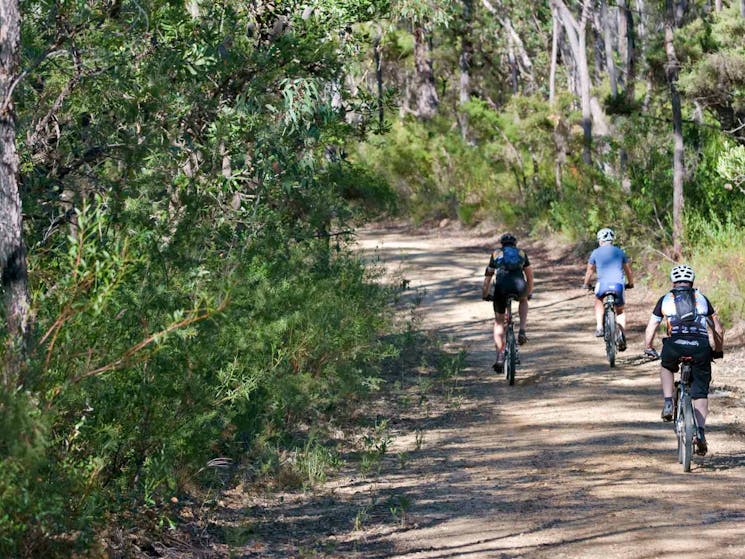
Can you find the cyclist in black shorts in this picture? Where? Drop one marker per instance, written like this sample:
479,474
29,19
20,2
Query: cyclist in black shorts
510,268
688,314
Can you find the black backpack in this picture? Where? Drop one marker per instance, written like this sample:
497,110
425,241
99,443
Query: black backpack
685,304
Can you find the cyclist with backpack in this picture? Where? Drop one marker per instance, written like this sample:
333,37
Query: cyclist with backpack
688,314
612,266
510,268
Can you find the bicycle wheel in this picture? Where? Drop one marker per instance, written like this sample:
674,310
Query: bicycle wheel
678,425
610,333
509,357
687,433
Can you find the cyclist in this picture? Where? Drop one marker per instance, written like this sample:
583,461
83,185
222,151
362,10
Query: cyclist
687,314
611,264
513,275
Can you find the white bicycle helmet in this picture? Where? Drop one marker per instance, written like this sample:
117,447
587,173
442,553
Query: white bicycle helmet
606,235
682,272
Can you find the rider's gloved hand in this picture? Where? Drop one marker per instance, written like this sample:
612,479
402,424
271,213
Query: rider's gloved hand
716,354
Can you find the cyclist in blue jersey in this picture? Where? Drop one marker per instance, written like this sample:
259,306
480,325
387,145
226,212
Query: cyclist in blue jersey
613,274
688,315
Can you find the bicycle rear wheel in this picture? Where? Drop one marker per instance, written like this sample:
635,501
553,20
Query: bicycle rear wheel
510,357
687,433
610,333
679,422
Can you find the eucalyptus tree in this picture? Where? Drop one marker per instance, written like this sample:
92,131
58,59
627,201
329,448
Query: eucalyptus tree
672,69
421,18
576,33
12,248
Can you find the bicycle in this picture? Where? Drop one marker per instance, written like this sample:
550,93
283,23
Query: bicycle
685,425
612,335
610,327
510,347
511,358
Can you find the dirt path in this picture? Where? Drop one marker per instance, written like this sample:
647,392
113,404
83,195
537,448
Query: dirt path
572,461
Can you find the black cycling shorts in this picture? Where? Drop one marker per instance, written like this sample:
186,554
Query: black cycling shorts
505,285
698,348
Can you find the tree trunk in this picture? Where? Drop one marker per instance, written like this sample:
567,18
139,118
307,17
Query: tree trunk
608,39
12,249
718,5
742,8
627,48
519,60
554,55
585,84
577,38
378,57
671,70
464,62
427,99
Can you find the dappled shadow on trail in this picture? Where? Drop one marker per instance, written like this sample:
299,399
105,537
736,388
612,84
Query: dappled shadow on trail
571,461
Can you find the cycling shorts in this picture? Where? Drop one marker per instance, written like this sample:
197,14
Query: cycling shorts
602,287
505,285
674,347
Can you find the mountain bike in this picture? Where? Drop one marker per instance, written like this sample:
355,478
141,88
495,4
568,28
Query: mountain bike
685,425
510,346
511,358
611,332
612,335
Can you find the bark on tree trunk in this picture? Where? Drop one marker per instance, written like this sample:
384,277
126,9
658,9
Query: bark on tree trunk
671,71
12,249
718,5
427,99
608,39
584,77
519,60
464,62
576,34
554,55
627,48
742,8
378,56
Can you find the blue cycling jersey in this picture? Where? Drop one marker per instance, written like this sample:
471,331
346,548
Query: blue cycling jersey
608,261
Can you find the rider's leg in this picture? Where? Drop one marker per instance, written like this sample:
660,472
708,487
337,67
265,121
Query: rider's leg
598,314
522,310
499,332
701,409
666,379
621,317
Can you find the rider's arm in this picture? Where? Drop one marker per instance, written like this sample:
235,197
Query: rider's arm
718,332
649,333
487,282
627,272
529,278
588,273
